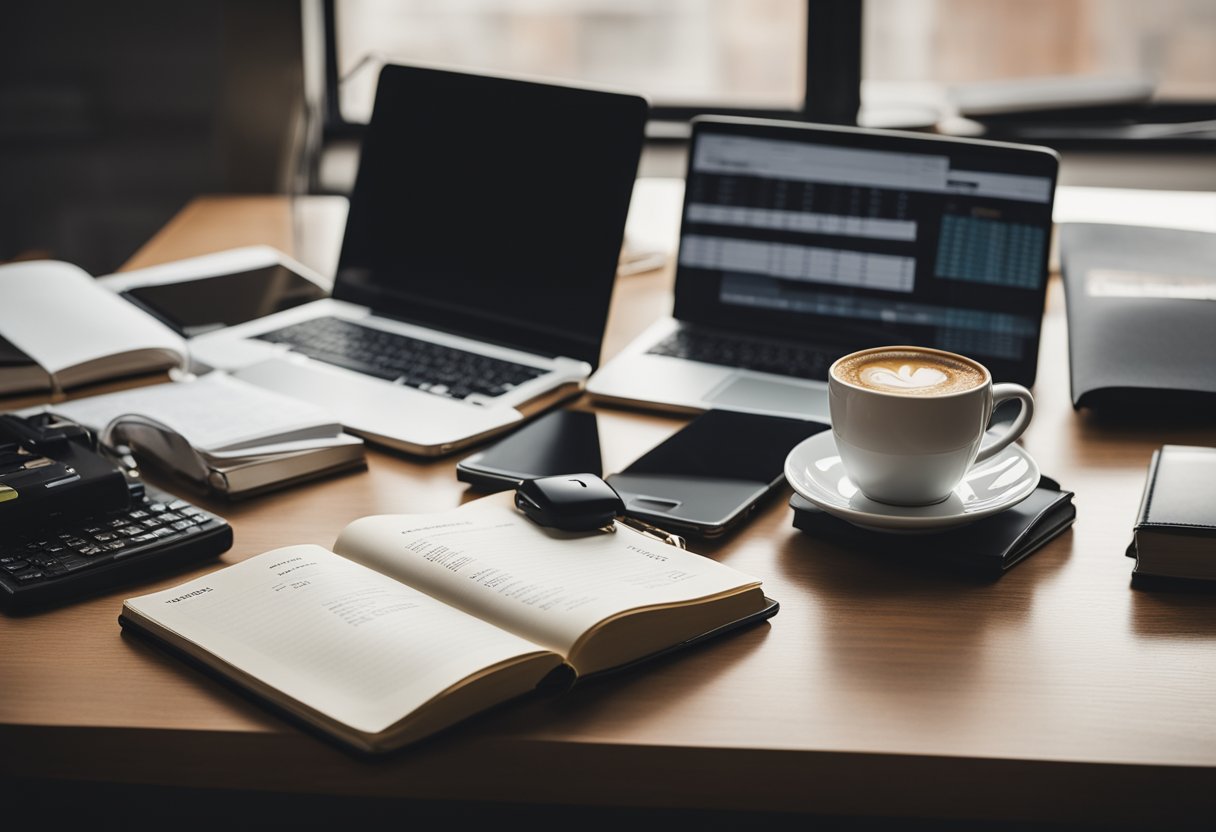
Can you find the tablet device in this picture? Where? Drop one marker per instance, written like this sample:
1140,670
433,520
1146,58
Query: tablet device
709,476
211,292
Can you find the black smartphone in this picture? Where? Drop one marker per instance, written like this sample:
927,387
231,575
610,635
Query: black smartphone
559,442
709,476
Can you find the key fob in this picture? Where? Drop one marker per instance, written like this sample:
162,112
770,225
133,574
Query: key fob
571,502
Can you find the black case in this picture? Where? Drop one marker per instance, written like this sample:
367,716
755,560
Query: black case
986,547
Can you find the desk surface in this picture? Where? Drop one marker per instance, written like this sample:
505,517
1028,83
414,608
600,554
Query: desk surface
1055,693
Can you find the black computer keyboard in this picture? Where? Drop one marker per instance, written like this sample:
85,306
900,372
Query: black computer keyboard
765,355
434,368
47,565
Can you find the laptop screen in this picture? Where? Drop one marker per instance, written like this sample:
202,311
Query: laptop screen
492,207
852,238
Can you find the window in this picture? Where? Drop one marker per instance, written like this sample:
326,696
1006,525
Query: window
789,58
988,57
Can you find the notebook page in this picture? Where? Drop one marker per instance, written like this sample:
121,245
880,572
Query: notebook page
548,586
214,413
340,638
58,315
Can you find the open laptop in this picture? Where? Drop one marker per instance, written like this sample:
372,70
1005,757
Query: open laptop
480,251
800,243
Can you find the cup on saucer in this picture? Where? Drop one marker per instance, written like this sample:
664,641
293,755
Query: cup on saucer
909,422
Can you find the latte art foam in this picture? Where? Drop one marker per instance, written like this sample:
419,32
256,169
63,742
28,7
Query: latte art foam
910,373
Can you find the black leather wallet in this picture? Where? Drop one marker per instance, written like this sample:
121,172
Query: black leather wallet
986,547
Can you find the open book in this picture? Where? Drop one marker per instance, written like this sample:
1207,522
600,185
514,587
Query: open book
415,622
59,329
219,433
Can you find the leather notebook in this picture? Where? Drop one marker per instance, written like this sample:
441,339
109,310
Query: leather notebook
987,547
1174,536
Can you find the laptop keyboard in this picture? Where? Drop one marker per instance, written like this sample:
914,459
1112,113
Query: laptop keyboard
768,356
433,368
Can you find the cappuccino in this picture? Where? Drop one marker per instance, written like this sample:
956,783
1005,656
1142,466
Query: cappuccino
909,372
909,422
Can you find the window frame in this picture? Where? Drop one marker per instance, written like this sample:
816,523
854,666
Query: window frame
832,83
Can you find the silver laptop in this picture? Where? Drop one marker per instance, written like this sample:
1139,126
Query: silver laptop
477,266
800,243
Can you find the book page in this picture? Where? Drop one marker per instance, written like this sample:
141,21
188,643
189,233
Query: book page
57,314
214,413
338,637
548,586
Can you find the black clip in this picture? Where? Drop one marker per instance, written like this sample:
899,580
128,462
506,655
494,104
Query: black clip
580,503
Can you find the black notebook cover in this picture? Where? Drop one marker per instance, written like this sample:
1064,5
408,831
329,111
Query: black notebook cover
1141,325
988,546
1174,538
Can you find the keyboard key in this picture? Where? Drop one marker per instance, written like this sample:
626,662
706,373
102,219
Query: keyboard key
36,569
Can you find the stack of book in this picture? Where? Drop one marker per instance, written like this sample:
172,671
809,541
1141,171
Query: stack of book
220,434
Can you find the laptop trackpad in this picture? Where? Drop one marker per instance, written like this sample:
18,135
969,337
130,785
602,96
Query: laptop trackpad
771,396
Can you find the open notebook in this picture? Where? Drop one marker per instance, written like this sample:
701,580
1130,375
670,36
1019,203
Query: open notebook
414,622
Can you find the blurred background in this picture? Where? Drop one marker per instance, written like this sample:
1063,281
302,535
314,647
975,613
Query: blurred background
114,115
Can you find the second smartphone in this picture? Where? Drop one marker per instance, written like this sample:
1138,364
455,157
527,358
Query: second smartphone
708,477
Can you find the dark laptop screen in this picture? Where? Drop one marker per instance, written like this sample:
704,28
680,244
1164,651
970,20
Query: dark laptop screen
853,238
492,207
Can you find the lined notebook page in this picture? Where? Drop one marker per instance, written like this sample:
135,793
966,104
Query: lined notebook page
214,413
546,585
340,638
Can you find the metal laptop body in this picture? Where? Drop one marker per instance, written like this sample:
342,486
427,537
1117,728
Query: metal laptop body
809,242
487,216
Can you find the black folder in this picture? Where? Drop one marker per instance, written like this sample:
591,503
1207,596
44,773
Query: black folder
1141,331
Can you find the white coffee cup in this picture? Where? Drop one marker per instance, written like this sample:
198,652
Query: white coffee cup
909,421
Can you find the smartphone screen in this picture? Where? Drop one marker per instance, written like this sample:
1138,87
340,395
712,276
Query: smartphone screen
708,476
559,442
192,307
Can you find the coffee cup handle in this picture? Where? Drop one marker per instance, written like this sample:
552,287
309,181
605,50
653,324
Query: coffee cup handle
1001,393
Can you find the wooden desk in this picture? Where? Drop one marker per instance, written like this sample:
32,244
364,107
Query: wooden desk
881,689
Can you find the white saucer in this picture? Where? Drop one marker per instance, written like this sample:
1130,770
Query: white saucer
813,469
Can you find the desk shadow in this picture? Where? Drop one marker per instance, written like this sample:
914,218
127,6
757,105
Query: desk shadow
1164,608
882,619
865,571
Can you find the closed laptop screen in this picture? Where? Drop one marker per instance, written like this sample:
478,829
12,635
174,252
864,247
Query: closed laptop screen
863,239
492,207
